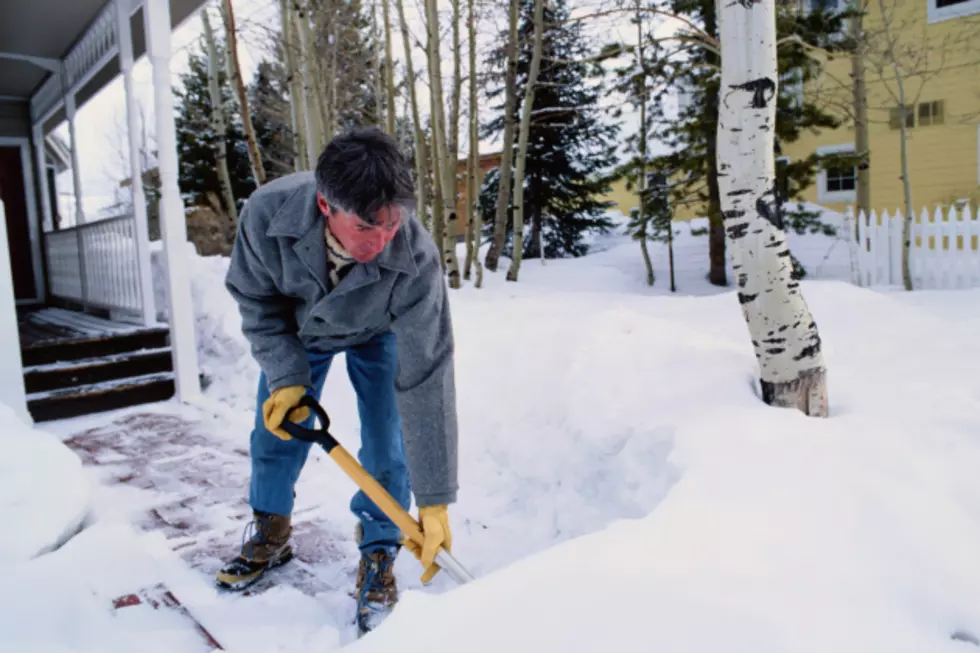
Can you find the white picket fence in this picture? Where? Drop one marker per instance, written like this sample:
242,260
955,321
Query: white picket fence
944,251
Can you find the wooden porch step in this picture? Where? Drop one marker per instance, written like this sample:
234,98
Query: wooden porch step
98,397
85,372
95,346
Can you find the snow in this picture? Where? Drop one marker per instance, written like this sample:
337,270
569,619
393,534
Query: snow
623,486
44,494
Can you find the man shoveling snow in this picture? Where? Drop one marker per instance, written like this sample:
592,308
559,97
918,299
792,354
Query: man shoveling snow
334,261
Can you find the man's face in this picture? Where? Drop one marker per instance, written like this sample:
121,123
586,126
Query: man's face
364,241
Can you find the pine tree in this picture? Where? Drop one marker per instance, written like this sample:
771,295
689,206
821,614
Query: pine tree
268,96
197,175
691,137
570,150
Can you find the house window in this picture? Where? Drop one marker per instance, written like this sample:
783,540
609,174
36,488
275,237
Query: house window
840,179
836,180
895,118
931,113
940,10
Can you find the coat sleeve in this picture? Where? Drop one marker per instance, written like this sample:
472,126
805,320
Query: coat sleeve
425,383
268,316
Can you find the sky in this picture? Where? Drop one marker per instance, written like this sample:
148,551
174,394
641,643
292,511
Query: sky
100,123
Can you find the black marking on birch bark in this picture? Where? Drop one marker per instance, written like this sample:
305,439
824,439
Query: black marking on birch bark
735,193
744,298
743,279
793,285
783,254
776,350
783,328
762,89
746,3
810,351
774,341
737,231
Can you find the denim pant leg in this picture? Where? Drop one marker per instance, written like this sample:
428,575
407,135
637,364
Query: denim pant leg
372,368
276,464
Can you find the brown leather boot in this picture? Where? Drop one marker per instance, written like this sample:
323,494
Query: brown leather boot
266,548
376,590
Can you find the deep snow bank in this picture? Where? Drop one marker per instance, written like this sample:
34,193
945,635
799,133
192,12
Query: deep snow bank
858,533
44,495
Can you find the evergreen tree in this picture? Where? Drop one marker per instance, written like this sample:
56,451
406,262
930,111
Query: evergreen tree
268,96
570,151
691,137
197,175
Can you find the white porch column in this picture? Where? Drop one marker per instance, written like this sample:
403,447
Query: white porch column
76,171
173,225
12,390
124,39
41,157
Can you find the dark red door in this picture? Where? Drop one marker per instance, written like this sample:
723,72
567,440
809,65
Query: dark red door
18,228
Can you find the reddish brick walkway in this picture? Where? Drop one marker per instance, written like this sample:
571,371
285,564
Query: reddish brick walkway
196,490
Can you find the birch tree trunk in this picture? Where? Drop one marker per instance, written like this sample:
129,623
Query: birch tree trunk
532,80
311,118
389,71
379,86
474,217
421,150
784,334
295,88
507,156
254,156
218,124
642,90
446,167
454,100
903,110
861,139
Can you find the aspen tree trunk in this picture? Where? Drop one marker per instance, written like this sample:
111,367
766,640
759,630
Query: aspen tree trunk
474,218
327,98
312,26
379,86
507,156
258,170
892,58
642,84
389,70
532,80
457,90
421,150
218,124
301,21
438,216
784,334
295,88
861,139
446,167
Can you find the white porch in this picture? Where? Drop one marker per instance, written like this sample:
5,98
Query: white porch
55,55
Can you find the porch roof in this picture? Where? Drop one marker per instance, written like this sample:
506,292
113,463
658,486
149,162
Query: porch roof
40,39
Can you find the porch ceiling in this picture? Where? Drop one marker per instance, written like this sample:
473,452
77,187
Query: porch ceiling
50,28
39,28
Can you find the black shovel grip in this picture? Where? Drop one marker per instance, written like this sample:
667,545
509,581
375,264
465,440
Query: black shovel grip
320,436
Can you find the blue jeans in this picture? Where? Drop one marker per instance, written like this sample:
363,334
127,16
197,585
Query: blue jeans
276,464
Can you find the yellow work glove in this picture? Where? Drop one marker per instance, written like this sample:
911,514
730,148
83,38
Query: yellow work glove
435,527
275,407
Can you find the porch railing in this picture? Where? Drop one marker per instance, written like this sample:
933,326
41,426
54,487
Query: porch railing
94,264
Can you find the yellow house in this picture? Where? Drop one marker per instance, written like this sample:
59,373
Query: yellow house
937,39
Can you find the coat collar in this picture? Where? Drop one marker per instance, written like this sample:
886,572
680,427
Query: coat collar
300,218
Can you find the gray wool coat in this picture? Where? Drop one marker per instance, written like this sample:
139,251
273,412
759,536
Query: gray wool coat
278,277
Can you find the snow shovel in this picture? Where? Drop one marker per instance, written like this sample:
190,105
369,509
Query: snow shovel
408,525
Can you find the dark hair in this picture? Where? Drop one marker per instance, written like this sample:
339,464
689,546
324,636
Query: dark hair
362,171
